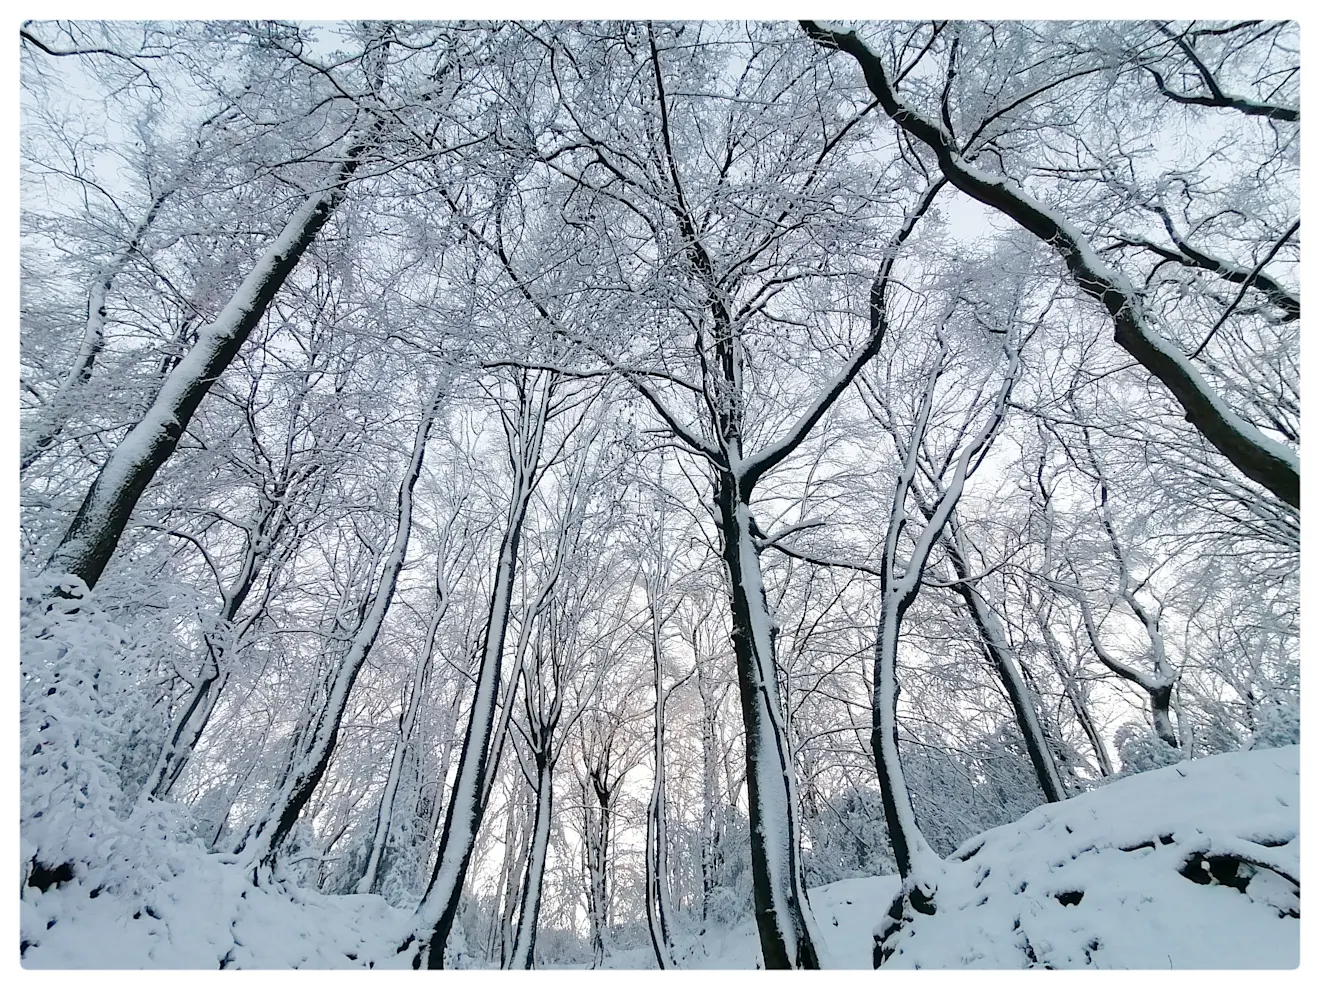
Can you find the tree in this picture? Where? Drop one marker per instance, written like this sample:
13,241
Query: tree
1270,463
312,752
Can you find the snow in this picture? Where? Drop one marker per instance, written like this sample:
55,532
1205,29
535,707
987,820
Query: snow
1136,910
1101,880
208,915
1121,847
845,913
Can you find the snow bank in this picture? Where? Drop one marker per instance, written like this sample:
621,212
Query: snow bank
1188,867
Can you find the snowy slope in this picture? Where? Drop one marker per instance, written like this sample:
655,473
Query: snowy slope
1143,873
1008,895
207,916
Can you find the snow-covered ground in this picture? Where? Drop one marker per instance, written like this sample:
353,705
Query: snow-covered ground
1189,866
846,912
1102,880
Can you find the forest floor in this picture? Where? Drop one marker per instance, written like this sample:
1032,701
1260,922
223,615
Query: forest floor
1189,866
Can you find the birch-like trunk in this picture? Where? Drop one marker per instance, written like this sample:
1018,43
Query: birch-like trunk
192,718
515,849
900,582
910,846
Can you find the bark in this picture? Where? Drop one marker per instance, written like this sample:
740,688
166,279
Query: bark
463,818
709,786
186,730
778,893
407,723
909,845
192,718
524,943
515,848
435,914
1075,698
997,648
596,853
439,906
900,582
1158,684
1159,691
657,840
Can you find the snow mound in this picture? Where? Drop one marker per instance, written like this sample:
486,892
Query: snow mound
1193,866
107,882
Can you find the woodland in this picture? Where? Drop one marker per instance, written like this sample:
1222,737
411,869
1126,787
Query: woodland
572,488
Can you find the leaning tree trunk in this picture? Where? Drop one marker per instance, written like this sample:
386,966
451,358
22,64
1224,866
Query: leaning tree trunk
407,721
1075,699
95,531
266,835
997,648
783,914
190,722
1267,462
438,908
56,413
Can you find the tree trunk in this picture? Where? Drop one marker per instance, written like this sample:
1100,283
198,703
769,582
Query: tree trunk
57,411
708,789
515,848
524,943
186,731
657,841
266,835
997,648
439,906
783,917
1270,464
596,852
95,531
1075,699
909,845
407,722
